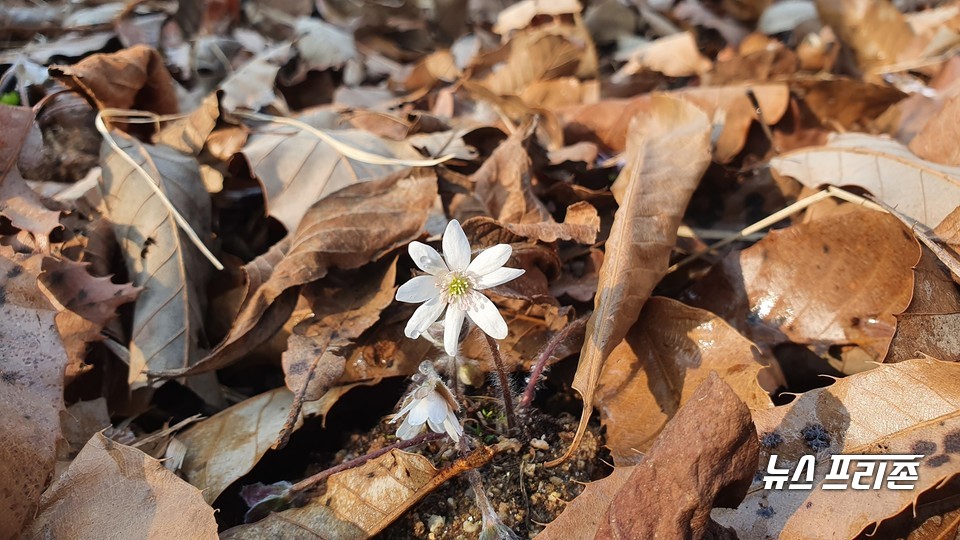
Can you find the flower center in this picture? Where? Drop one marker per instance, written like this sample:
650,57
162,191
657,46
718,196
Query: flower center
457,286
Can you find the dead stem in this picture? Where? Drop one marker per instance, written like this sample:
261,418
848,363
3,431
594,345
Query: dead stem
311,481
504,381
545,354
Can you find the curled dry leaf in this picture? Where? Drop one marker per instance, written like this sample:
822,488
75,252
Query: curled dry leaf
671,493
607,122
117,488
90,302
668,151
581,225
224,447
168,316
836,281
918,402
670,350
923,190
297,169
31,389
346,230
131,78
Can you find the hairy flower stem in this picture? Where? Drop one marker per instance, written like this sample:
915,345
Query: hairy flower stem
504,382
311,481
545,354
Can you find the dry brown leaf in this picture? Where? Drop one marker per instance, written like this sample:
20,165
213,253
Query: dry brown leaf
535,56
579,281
581,225
923,190
670,350
360,502
297,169
168,316
931,324
606,122
224,447
521,14
90,302
345,230
20,204
131,78
906,408
671,493
676,55
342,310
118,491
876,31
31,389
504,181
933,142
845,104
189,134
668,151
252,86
355,505
836,281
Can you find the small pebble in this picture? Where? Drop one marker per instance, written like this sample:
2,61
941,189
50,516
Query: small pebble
540,444
435,523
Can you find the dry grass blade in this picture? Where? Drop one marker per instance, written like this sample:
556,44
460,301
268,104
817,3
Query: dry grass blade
345,149
181,222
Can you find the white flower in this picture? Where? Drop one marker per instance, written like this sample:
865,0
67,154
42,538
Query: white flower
453,282
430,402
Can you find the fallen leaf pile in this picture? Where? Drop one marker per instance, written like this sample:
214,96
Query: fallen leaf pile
738,223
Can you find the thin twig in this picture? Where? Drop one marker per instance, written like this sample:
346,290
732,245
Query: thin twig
299,396
311,481
348,151
545,354
179,219
504,381
756,227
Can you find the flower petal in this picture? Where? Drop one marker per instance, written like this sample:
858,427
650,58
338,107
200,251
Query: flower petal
421,411
486,315
497,277
418,289
490,259
451,329
456,247
407,431
423,317
453,428
426,258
